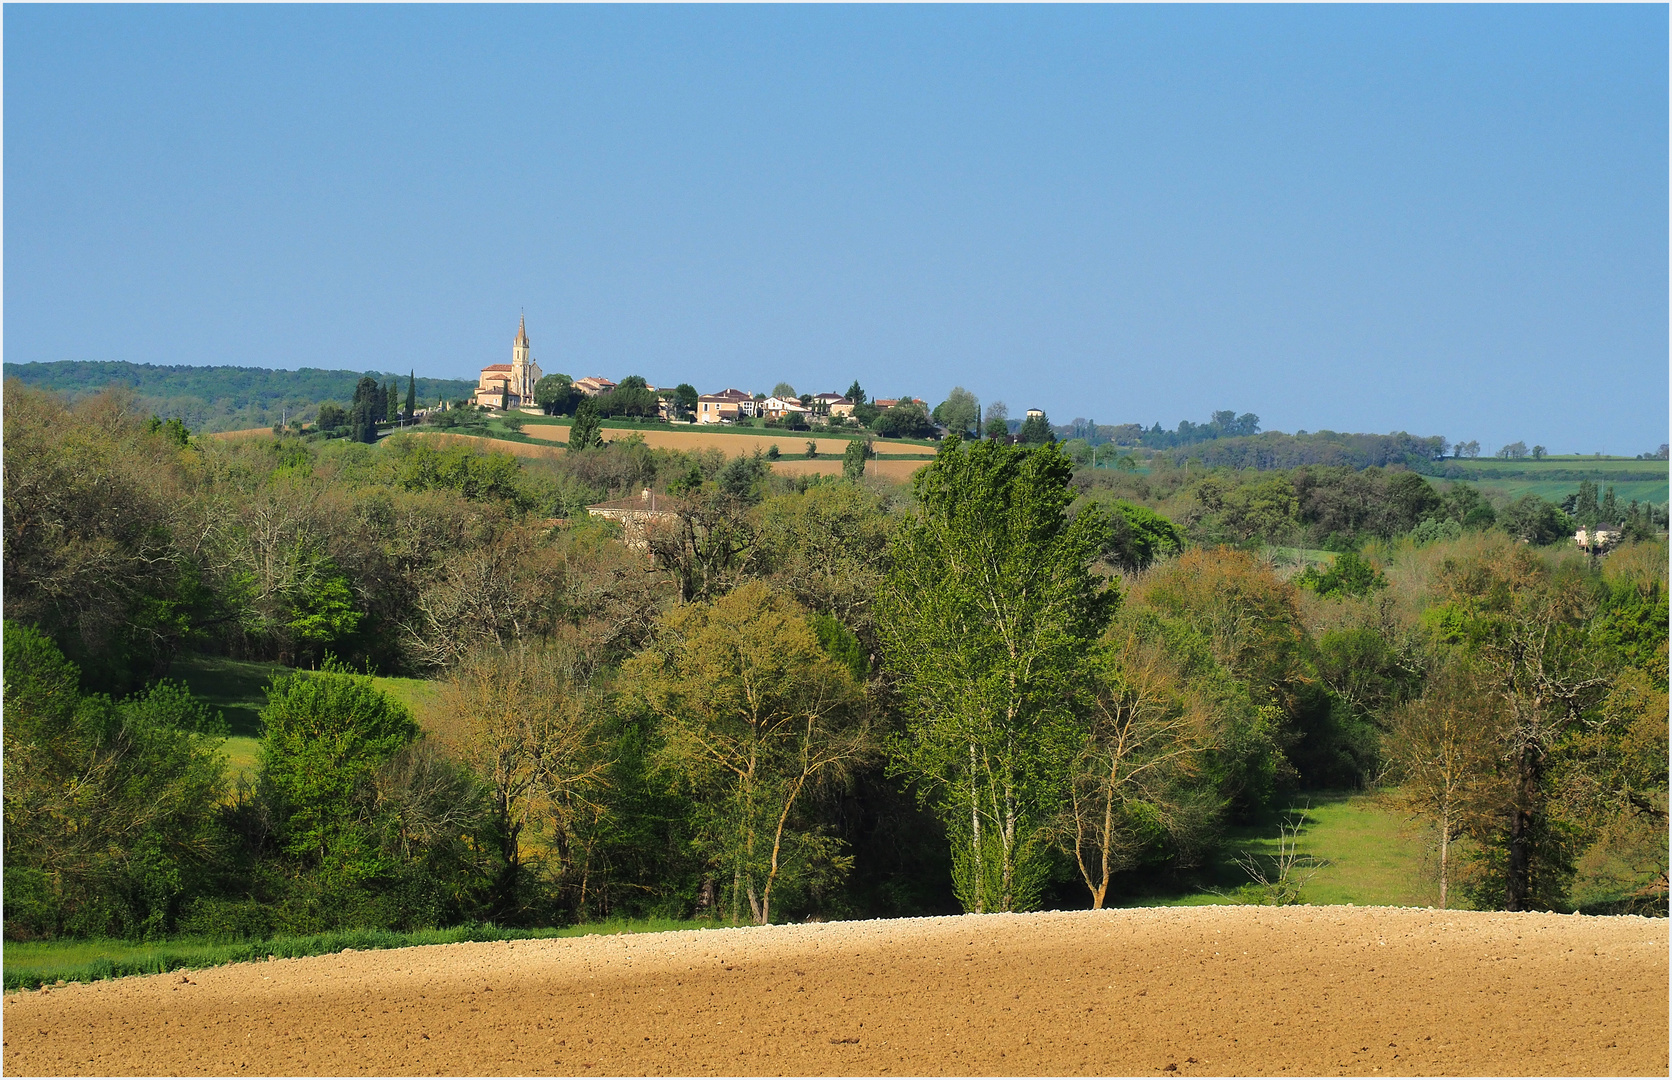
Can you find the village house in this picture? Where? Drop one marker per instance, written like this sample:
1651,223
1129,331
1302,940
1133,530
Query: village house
593,385
637,517
832,405
1598,538
726,407
509,386
889,403
776,408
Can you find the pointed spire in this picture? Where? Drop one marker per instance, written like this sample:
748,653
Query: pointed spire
522,331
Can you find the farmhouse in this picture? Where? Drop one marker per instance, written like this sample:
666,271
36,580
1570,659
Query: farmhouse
1598,538
637,517
593,385
776,408
725,407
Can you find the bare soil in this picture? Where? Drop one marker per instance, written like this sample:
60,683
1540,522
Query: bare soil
733,441
1191,991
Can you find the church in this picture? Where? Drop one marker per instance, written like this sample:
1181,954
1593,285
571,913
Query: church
510,386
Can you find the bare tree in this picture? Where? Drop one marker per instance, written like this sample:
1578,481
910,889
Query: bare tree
1527,631
703,544
520,718
1143,733
1445,747
492,594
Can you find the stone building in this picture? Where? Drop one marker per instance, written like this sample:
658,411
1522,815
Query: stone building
510,386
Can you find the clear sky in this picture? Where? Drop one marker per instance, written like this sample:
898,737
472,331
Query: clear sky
1448,220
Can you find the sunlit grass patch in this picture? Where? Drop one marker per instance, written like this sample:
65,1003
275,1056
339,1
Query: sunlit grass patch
29,965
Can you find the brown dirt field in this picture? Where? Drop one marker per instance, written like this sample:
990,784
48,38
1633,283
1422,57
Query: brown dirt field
790,443
1180,991
503,446
896,469
241,433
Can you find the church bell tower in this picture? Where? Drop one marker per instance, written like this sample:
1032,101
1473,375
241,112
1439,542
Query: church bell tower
522,384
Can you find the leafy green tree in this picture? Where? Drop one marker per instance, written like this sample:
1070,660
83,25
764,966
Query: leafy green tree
1138,536
685,396
960,413
391,402
331,417
556,394
1466,506
906,420
111,809
1035,431
1348,575
587,430
520,717
174,431
826,546
326,735
785,391
1532,519
1444,748
853,458
367,411
631,397
411,394
856,393
988,614
1131,786
756,716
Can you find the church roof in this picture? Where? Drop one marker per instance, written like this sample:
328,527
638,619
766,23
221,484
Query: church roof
496,367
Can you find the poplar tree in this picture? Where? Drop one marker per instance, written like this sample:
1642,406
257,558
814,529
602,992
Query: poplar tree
987,618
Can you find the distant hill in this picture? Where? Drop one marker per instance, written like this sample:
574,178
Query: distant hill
221,398
1278,450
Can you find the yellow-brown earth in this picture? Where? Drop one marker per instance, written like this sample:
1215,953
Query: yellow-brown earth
1194,991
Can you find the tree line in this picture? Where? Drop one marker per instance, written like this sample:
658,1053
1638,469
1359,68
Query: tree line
1016,683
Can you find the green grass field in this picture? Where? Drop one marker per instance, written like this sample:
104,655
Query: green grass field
239,689
1555,478
43,963
1368,854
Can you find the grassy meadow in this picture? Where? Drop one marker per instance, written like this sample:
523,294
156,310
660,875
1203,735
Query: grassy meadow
32,964
238,688
1365,853
1555,478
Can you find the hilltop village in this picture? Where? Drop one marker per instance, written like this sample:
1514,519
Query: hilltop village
521,386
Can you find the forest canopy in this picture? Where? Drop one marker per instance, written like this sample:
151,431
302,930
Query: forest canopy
1020,682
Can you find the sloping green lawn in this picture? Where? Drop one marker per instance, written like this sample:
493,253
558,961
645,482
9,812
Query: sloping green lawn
239,689
236,687
1366,853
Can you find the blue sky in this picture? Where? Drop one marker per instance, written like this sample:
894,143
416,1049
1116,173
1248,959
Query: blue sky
1448,220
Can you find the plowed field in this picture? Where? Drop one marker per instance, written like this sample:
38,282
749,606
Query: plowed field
732,440
1156,991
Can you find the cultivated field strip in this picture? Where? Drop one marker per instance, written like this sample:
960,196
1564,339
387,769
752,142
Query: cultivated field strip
1192,991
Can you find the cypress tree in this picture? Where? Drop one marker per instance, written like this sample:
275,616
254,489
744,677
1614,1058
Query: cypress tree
411,394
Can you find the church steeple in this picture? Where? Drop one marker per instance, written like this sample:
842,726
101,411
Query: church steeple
522,333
